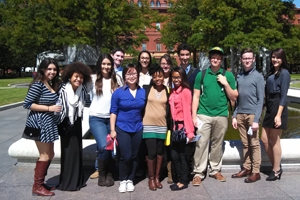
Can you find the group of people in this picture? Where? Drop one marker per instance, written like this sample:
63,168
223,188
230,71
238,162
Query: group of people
140,104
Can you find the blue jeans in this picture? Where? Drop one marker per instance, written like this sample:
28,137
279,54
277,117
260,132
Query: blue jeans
129,144
100,128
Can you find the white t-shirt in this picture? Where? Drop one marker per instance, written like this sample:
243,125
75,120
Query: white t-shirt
144,79
100,105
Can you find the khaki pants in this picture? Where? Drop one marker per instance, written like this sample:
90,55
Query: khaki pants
209,147
251,145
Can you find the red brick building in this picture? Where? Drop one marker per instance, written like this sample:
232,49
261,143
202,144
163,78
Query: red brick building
153,44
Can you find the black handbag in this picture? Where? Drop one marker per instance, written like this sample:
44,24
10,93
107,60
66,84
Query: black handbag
31,133
178,135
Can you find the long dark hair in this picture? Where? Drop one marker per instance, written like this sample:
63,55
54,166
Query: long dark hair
99,76
184,80
139,66
40,76
279,52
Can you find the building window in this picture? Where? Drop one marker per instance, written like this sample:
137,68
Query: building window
152,3
157,3
157,47
144,47
139,3
157,26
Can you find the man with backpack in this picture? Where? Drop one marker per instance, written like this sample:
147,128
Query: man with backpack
210,108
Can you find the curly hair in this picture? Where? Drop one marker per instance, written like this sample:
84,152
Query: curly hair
40,76
77,67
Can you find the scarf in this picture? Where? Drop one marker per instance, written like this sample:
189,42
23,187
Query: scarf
73,103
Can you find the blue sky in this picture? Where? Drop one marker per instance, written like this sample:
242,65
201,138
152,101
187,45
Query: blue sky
297,3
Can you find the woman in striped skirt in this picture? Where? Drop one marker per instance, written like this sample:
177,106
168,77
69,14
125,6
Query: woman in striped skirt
41,99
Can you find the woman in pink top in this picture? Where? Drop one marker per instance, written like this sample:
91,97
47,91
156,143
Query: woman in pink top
181,105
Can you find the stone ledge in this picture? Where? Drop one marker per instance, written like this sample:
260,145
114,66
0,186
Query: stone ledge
26,152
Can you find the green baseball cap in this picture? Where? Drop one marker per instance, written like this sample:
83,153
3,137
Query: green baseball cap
216,50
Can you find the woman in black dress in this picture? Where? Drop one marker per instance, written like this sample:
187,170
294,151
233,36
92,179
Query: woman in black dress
277,85
40,100
73,93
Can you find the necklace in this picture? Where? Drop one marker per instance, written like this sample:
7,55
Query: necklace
157,94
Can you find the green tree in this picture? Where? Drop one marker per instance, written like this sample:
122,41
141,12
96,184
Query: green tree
33,26
235,24
178,28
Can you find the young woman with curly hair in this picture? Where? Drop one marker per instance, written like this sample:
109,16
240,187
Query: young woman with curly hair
73,92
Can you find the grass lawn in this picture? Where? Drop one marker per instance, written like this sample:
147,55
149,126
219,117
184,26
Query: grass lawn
295,77
8,96
295,85
5,82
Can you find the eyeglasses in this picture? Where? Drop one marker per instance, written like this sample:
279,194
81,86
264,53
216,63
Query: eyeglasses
145,58
176,77
164,63
133,75
247,59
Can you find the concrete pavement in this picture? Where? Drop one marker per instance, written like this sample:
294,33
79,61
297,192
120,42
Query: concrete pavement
16,179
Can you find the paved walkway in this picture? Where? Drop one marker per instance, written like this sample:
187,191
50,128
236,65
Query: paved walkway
16,179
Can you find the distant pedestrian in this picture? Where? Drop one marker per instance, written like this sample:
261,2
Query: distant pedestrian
277,86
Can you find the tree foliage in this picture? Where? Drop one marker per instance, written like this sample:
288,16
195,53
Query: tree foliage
234,24
29,27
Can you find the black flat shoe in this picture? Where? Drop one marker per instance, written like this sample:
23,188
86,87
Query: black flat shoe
173,185
179,188
274,175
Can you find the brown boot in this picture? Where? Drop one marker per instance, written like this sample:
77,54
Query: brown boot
159,160
39,176
170,180
151,169
50,188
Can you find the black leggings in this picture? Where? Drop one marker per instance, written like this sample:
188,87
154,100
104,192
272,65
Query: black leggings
155,147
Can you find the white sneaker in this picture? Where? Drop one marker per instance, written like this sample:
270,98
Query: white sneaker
122,187
129,186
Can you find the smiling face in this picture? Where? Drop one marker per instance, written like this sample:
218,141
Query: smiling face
106,67
184,57
215,60
247,60
131,76
158,78
76,80
118,58
276,61
144,59
176,79
50,72
165,65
